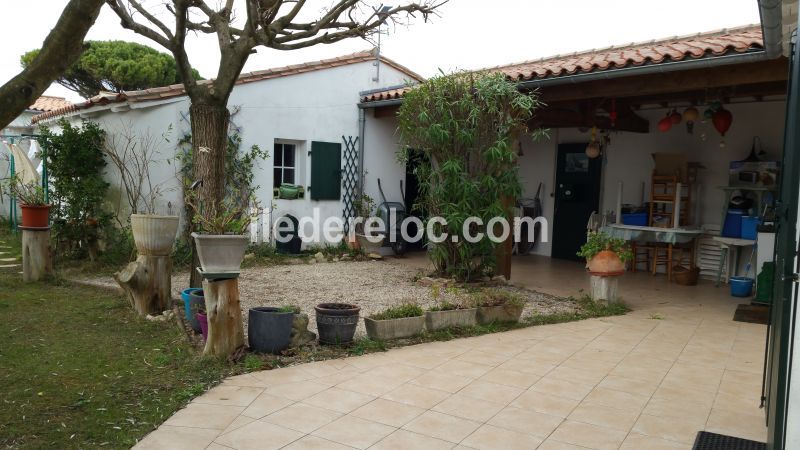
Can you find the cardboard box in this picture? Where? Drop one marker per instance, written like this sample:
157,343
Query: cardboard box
671,164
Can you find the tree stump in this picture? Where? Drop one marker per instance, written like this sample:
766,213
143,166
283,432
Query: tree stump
148,284
36,256
604,289
224,312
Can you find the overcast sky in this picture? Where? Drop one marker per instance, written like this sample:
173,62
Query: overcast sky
469,34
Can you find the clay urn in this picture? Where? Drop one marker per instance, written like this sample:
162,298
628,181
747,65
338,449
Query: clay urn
606,264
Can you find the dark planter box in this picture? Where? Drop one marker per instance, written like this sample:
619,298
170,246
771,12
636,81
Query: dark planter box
268,329
385,330
336,322
502,313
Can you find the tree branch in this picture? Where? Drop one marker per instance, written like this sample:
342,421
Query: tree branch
129,23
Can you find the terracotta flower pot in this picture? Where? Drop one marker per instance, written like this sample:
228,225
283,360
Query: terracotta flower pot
35,216
154,235
606,263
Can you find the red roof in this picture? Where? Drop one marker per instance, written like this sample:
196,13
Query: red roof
177,90
48,103
679,48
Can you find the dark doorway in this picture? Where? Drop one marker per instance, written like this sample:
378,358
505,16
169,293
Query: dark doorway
411,193
577,195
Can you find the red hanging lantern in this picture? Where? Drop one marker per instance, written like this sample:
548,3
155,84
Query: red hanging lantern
675,117
722,120
665,124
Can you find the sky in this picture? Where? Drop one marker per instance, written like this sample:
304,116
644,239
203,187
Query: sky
469,34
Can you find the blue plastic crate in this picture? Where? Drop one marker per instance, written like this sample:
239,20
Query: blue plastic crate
639,219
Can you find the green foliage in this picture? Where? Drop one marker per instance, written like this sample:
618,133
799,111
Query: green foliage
30,194
75,165
497,297
465,125
116,66
598,241
366,345
399,312
289,309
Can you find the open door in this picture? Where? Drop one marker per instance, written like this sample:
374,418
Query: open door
782,316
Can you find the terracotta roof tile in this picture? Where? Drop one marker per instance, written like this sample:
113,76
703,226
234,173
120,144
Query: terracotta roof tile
48,103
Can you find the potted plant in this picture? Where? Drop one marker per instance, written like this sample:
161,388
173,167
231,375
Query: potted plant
336,322
154,234
222,242
605,255
398,322
269,329
364,206
202,320
495,305
31,198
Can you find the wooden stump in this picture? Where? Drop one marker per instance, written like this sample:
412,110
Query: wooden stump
224,312
36,256
147,283
604,288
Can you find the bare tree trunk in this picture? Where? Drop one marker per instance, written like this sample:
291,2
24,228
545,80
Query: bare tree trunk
224,312
147,283
60,49
36,260
209,146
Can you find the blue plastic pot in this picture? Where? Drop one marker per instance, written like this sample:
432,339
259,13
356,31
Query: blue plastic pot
741,286
193,301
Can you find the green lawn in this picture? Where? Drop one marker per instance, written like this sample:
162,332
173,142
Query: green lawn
79,369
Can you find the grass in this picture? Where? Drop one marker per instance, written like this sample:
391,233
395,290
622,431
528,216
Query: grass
80,369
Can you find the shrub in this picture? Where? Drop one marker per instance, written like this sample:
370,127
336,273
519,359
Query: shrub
399,312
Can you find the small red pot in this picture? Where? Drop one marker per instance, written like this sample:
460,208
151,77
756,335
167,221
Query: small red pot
35,216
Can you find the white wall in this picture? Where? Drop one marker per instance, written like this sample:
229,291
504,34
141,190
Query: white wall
381,145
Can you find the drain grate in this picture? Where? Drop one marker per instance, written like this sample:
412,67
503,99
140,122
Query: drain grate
714,441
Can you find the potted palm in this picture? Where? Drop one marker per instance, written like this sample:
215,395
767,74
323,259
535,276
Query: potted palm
222,242
496,305
31,198
398,322
269,329
605,255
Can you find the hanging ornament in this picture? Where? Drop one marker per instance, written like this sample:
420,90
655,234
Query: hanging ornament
690,116
722,121
675,117
593,149
612,115
665,124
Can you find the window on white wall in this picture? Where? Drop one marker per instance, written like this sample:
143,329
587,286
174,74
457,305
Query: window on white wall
285,164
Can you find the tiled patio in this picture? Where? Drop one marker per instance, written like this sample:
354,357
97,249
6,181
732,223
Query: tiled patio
651,379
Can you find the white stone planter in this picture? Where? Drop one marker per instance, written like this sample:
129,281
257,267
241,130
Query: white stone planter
367,246
154,235
439,320
502,313
385,330
220,253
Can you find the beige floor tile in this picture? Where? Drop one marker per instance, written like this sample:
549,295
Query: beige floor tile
334,379
552,444
747,402
442,381
616,399
406,440
736,424
442,426
489,437
669,391
296,391
418,396
694,377
238,422
525,421
589,365
544,403
199,415
461,405
636,441
577,375
229,395
629,385
686,408
388,412
560,387
354,431
487,358
492,392
326,368
177,438
370,384
302,417
604,416
265,404
682,430
464,368
587,435
259,435
215,446
638,373
315,443
513,378
339,400
281,376
245,379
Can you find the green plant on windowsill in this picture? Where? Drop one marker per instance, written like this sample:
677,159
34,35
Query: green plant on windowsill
597,241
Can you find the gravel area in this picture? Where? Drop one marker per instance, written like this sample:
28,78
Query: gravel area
373,285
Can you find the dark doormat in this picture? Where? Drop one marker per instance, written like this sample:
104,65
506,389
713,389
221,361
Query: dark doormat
714,441
752,314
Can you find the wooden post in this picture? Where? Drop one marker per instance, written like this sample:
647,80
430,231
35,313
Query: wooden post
604,288
504,249
36,259
676,210
147,283
224,312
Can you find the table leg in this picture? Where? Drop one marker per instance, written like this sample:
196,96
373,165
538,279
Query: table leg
722,258
669,263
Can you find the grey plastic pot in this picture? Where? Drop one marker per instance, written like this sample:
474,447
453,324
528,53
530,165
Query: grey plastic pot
219,253
502,313
269,329
385,330
440,320
197,302
336,322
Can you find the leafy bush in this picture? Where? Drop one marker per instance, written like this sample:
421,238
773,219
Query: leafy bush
598,241
399,312
464,124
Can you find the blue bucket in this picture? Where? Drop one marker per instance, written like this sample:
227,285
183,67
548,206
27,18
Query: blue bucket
741,286
187,295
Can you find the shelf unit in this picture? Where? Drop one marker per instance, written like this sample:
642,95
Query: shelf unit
663,196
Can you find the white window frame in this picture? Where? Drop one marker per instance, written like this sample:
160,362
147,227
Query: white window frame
283,165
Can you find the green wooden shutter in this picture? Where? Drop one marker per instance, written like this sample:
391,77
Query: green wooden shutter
326,171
